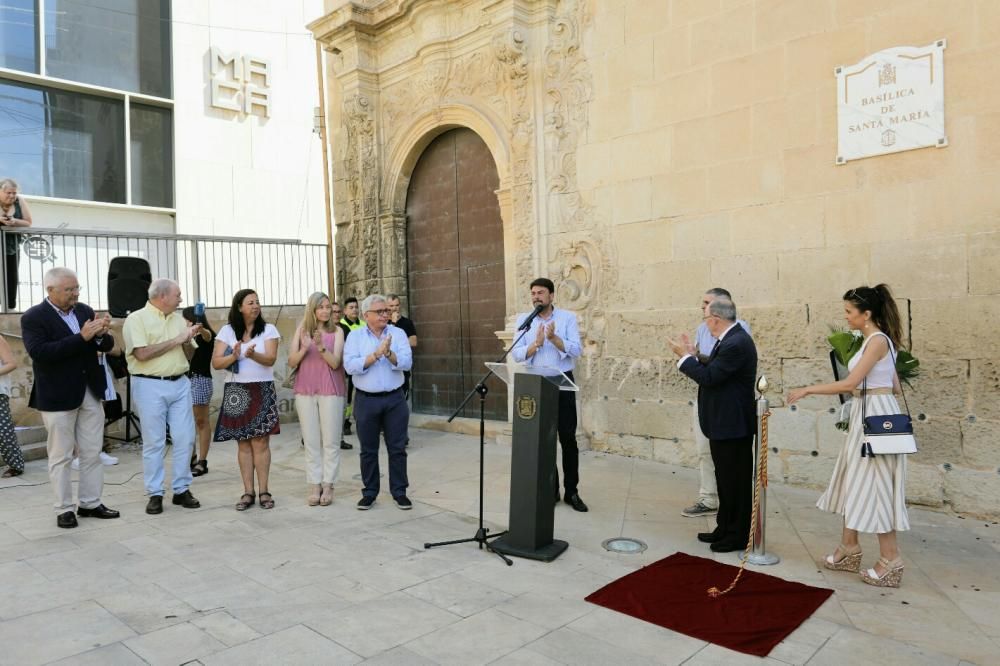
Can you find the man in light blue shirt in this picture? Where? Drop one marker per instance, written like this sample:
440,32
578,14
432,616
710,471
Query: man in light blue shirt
553,340
375,356
708,494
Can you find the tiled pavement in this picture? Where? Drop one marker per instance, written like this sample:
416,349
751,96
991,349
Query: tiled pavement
331,584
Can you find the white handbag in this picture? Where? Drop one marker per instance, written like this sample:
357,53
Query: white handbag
886,434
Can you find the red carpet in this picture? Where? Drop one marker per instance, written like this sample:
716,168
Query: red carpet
754,617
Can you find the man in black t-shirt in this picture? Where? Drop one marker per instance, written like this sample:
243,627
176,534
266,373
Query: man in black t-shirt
350,321
336,312
398,320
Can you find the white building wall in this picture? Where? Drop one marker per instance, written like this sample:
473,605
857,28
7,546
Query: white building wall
244,175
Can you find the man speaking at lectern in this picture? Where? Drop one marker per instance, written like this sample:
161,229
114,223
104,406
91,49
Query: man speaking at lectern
553,341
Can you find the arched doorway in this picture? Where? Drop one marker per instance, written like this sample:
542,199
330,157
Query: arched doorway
454,241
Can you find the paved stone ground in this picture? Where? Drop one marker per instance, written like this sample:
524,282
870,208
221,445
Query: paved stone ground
332,584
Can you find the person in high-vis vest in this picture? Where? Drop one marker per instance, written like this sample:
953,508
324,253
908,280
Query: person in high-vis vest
350,322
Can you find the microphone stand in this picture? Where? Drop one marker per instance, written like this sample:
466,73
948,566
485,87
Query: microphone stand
482,534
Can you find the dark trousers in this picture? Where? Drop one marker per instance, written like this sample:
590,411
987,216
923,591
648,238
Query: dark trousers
375,415
733,460
10,269
566,428
350,399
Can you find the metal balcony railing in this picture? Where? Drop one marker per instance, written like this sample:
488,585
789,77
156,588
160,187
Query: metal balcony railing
209,269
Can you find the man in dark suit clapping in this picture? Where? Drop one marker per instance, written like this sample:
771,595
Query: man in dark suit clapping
728,418
62,336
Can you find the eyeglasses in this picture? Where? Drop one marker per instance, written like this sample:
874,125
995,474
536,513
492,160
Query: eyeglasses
381,313
854,294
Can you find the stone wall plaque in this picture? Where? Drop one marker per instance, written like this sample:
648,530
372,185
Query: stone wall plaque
891,101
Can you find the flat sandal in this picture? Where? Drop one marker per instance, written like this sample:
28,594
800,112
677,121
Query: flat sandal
246,501
266,503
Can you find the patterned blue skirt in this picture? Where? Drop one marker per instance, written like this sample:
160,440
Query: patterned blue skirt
248,411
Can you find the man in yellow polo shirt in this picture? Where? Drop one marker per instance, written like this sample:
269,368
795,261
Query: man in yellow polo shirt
158,344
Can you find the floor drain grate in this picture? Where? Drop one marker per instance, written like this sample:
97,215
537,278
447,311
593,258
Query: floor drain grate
624,545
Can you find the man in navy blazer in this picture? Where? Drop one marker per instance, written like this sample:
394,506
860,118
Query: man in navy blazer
62,336
728,418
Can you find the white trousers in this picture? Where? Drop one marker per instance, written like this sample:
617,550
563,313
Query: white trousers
708,493
80,429
321,420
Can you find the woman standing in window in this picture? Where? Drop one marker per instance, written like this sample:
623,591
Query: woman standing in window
320,391
14,213
248,346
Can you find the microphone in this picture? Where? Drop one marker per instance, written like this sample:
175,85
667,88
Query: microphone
527,322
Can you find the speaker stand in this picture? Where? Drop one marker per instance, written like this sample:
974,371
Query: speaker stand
131,418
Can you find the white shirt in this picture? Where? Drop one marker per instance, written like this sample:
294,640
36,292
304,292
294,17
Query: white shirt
250,370
548,355
883,372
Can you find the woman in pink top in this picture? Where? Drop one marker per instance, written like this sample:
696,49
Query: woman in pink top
320,391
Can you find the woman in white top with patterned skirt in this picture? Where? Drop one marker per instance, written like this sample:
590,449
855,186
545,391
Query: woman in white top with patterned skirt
247,347
868,491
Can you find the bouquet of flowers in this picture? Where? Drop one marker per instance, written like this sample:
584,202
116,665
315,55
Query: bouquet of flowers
846,344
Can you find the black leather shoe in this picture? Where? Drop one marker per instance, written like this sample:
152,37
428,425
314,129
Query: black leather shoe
346,445
66,520
186,500
155,505
727,546
99,511
708,537
577,503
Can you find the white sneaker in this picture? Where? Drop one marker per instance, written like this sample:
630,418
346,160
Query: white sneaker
108,460
75,464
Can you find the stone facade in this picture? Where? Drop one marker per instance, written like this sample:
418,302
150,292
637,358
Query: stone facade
650,149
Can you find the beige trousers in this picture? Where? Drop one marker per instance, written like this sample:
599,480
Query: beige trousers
81,429
321,421
708,493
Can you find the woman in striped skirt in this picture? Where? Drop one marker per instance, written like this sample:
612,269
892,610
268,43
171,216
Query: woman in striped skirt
869,492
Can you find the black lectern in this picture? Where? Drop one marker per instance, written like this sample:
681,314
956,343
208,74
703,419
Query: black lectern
533,461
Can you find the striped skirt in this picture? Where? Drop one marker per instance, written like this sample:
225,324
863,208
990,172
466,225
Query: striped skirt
869,492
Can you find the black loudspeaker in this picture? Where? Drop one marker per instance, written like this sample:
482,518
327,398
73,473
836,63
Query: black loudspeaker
128,285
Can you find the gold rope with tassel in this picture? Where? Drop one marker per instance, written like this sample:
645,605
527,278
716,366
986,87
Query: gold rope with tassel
760,483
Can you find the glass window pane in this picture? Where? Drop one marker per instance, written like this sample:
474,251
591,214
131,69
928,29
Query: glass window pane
152,156
99,42
18,33
62,144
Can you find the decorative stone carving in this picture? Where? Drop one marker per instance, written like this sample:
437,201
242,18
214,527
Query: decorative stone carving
360,164
579,281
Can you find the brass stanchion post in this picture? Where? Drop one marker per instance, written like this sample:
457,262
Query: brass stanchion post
759,555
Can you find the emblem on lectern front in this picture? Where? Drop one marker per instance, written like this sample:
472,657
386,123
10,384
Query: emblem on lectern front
526,407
